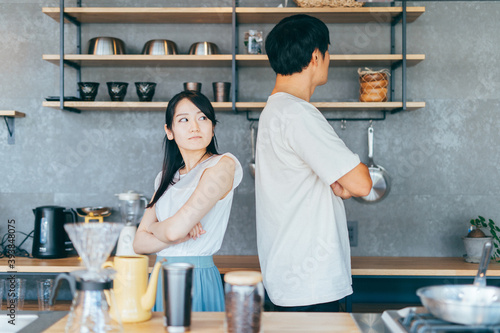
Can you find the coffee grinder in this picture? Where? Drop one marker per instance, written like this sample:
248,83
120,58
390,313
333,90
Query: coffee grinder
132,206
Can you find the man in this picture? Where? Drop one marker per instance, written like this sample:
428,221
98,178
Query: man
303,172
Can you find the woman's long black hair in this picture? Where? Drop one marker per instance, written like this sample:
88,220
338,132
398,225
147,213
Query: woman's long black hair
172,160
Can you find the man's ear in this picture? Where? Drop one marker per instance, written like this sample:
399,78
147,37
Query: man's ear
169,133
315,57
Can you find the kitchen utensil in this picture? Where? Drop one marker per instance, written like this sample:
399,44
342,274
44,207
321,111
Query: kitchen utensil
251,165
177,296
132,207
132,292
15,290
145,91
475,304
203,48
93,214
106,46
381,183
221,91
44,290
117,90
93,308
195,86
49,239
88,90
159,47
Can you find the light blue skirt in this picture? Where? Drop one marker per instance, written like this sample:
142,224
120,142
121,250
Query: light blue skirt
208,294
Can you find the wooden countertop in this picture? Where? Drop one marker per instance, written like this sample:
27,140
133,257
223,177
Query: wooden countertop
273,322
361,266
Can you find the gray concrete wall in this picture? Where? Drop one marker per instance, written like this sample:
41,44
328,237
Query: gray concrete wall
443,160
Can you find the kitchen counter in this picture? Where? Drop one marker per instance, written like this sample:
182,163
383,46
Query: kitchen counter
361,266
273,322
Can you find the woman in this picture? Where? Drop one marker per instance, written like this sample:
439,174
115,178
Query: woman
188,214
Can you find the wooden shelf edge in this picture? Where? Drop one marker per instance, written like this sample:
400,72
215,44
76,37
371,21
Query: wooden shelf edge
12,113
227,106
223,14
244,60
125,106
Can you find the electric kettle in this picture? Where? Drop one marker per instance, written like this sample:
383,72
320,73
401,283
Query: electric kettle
49,239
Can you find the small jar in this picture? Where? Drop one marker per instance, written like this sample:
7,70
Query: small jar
253,42
244,294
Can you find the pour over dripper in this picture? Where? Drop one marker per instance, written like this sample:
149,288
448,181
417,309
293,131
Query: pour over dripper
94,243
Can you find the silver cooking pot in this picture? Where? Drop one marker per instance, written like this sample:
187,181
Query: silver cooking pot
474,304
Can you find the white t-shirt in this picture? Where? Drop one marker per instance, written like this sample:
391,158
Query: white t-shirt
214,223
302,236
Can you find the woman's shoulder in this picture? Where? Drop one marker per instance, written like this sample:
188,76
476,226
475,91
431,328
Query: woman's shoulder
228,164
226,158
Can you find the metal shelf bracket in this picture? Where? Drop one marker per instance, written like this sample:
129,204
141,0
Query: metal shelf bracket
11,130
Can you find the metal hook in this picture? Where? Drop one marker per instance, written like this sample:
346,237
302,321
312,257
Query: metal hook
343,124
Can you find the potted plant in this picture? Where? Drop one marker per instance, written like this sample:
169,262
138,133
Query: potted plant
475,239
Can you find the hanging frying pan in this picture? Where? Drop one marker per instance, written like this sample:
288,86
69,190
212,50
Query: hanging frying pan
381,183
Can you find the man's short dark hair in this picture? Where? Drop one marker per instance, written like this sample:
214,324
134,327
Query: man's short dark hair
292,41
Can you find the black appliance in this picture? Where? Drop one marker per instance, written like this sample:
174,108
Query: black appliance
50,240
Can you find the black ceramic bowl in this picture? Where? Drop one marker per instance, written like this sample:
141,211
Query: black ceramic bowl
145,91
88,90
117,90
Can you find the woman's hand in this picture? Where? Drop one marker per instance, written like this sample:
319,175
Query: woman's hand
197,231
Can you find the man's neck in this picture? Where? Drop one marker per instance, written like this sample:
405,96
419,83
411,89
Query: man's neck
299,85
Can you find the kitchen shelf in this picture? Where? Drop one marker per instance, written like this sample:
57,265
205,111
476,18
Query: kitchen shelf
221,60
240,106
8,117
223,14
12,113
234,15
140,60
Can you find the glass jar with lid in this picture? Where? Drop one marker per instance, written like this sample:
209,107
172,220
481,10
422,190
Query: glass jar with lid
244,295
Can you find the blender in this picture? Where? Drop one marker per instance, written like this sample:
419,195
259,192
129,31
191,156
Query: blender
93,308
132,206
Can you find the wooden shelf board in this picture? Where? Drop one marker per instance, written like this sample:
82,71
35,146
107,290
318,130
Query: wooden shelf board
326,14
240,106
174,15
140,60
222,60
223,14
340,60
12,113
125,106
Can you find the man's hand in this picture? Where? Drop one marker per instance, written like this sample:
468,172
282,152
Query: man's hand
340,191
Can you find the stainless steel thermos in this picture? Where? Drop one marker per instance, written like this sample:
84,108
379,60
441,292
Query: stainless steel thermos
177,296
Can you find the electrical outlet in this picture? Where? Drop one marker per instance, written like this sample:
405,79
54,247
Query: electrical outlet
352,228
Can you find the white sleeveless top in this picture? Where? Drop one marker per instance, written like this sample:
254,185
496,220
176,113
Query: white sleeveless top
214,223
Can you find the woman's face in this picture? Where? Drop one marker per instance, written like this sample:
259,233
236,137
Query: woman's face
191,129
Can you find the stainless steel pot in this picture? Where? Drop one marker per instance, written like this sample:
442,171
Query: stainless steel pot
159,47
106,46
474,304
381,183
203,48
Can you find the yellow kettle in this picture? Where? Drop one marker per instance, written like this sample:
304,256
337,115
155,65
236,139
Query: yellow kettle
134,297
